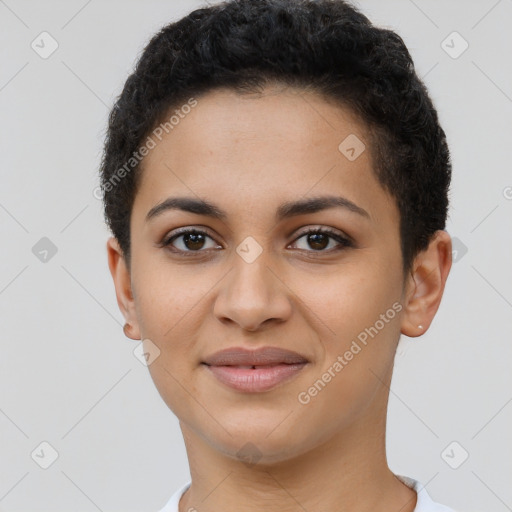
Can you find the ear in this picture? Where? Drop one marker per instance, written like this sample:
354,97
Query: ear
425,285
122,282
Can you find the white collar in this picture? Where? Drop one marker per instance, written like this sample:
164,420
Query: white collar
424,502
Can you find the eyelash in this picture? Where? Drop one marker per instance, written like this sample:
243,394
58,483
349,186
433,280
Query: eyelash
344,242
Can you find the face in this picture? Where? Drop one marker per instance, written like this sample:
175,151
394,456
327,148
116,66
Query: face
320,281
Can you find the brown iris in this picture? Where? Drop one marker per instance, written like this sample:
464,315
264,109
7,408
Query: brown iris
318,240
193,241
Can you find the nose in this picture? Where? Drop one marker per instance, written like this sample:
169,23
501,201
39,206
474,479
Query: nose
252,294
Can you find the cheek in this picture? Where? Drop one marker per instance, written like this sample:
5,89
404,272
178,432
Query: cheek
167,297
344,398
358,319
345,302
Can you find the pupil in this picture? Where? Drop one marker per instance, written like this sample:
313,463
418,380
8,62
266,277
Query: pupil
196,239
316,239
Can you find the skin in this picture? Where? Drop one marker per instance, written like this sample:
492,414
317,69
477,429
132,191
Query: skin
248,154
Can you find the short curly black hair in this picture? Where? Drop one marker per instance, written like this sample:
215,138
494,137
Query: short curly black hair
325,46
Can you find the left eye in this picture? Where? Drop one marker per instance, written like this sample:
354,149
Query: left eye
194,241
319,239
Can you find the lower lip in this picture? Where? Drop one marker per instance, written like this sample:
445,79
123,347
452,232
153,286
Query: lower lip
257,380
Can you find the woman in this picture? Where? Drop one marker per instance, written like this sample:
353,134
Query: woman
276,180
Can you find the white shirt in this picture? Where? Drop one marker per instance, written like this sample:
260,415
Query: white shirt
424,502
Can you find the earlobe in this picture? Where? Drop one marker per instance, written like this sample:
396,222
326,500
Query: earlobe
425,286
122,282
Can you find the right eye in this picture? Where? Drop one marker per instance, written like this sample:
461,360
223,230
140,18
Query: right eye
189,241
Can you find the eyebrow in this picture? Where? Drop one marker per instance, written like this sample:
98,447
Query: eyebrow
284,211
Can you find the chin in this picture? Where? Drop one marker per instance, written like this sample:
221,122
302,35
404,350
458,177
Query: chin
260,453
261,445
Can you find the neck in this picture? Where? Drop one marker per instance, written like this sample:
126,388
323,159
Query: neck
347,472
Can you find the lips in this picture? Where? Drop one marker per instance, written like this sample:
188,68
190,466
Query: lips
266,356
254,371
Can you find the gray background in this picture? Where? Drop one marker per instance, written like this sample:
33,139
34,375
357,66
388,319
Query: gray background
68,375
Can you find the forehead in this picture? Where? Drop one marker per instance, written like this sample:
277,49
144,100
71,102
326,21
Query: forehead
253,150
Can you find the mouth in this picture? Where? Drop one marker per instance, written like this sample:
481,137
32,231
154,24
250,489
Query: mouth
253,367
254,359
254,371
255,378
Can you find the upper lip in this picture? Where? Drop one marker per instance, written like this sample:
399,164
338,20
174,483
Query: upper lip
235,356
